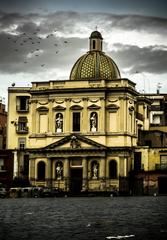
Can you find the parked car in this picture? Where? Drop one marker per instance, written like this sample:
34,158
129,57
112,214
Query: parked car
36,192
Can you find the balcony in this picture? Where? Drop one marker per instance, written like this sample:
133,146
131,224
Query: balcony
22,110
22,131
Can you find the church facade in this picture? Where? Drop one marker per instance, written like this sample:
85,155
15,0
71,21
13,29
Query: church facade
81,134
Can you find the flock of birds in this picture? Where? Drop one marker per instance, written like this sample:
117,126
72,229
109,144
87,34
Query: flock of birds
33,42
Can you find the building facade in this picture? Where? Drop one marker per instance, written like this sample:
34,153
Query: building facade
6,156
81,134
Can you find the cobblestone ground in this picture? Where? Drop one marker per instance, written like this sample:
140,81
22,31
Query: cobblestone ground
93,218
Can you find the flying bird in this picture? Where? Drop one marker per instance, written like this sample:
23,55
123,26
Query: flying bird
31,41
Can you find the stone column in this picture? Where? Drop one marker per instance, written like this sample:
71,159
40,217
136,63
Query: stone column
85,174
51,121
35,119
102,168
66,173
86,122
49,173
103,173
101,115
32,171
15,165
67,122
125,167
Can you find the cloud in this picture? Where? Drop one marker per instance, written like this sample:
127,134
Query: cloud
150,59
147,24
32,43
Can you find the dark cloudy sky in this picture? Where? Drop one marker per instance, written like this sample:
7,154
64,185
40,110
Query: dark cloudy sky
41,40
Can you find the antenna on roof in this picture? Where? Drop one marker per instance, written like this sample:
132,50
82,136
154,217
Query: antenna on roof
159,85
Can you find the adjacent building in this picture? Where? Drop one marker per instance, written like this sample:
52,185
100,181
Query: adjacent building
6,156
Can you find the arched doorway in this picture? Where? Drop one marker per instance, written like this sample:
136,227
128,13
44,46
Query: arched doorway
75,180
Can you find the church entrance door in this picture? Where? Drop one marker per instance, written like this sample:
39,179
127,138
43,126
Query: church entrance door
76,180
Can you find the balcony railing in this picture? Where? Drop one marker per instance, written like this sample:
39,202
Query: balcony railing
22,131
19,109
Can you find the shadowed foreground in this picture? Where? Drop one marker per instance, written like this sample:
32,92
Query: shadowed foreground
93,218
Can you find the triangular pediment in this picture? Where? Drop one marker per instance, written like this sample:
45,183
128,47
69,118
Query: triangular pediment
42,109
112,106
75,141
59,108
94,106
76,107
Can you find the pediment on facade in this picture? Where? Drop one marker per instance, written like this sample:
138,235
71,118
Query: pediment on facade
58,108
76,107
42,109
112,106
94,106
75,142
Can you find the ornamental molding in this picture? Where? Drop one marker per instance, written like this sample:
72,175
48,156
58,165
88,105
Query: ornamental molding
43,102
112,107
76,100
58,108
33,101
113,100
42,109
93,100
131,108
76,107
59,101
94,106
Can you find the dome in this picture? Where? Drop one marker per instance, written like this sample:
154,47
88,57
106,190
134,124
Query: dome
96,34
95,64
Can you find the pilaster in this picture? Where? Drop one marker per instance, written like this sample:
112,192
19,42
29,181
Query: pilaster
66,173
85,174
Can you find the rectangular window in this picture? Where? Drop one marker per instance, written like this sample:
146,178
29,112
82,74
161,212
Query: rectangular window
22,143
76,121
22,103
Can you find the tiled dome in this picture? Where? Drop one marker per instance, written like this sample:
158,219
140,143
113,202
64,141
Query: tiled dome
95,64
